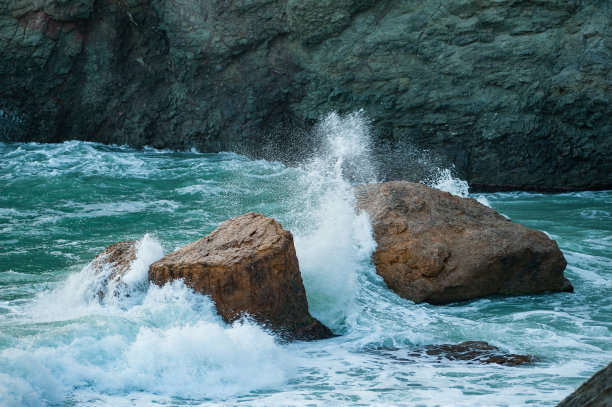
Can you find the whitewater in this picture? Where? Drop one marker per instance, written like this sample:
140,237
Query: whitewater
62,204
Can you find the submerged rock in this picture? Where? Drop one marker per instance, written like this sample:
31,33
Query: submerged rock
476,351
116,260
469,351
595,392
439,248
249,266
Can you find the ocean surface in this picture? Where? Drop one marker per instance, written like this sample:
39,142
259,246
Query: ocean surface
62,204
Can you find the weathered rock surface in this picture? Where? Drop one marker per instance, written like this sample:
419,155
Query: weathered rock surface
248,265
478,352
512,92
439,248
595,392
470,351
116,260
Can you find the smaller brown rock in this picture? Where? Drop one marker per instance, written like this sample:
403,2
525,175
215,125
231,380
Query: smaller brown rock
248,265
469,351
477,351
118,257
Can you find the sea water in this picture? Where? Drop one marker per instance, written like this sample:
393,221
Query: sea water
61,204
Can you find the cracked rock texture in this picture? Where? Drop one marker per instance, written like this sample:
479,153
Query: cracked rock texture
439,248
513,92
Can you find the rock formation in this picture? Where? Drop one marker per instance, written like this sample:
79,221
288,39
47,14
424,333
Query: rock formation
116,260
439,248
248,265
476,351
511,92
595,392
469,351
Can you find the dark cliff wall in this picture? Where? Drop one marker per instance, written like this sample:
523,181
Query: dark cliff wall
512,92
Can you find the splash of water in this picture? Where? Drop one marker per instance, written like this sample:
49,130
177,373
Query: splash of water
345,148
163,340
335,240
78,295
445,181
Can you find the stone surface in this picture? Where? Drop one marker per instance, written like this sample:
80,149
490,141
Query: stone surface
595,392
477,351
116,260
248,265
512,92
469,351
439,248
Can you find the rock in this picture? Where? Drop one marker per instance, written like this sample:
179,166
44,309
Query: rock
439,248
595,392
114,263
477,351
515,94
469,351
247,265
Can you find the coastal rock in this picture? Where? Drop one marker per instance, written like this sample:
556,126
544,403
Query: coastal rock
595,392
439,248
248,265
476,351
515,94
469,351
114,263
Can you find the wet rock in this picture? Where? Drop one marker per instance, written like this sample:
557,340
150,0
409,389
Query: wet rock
114,263
439,248
595,392
469,351
515,94
477,351
248,265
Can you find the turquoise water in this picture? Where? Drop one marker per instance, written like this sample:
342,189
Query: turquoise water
62,204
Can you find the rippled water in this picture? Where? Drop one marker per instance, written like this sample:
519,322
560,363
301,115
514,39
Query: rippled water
62,204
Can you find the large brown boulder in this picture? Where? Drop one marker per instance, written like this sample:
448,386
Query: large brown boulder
595,392
439,248
248,265
113,263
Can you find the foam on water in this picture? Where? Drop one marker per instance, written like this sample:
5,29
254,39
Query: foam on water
167,341
143,345
445,181
78,295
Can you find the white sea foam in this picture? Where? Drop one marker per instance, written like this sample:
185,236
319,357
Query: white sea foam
187,352
445,181
78,295
160,340
203,187
167,345
331,246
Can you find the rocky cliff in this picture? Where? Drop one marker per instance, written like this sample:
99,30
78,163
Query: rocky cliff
513,92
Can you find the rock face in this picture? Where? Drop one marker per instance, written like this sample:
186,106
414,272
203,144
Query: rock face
439,248
118,258
511,92
595,392
248,265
